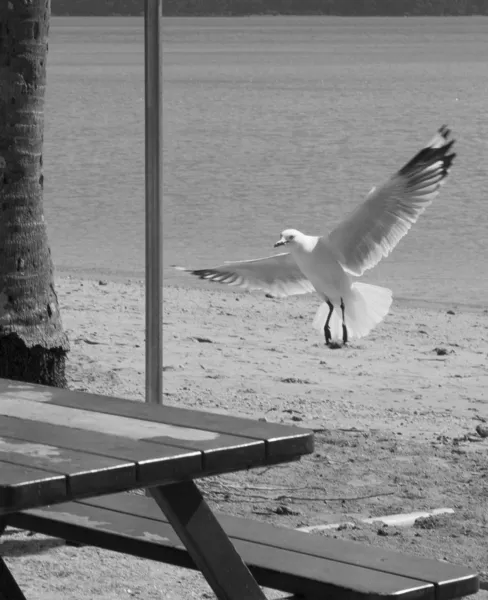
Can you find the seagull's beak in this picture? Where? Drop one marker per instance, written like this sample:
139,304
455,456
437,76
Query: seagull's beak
280,242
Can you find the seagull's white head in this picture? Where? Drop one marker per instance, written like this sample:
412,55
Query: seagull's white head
293,237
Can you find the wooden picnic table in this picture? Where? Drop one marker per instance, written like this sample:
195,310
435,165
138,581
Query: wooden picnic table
58,445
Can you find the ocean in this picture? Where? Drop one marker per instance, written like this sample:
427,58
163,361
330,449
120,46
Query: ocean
268,123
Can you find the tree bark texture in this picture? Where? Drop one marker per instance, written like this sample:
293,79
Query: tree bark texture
33,345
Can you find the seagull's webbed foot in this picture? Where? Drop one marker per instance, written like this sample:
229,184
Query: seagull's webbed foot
327,333
344,328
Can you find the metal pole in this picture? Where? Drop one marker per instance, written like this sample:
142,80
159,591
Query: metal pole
153,135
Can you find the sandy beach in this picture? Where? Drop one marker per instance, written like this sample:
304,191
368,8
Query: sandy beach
422,371
395,417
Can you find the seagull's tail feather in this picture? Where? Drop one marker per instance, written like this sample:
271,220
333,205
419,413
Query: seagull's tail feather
365,307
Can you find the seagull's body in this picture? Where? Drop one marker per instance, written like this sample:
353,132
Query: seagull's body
359,306
317,261
327,264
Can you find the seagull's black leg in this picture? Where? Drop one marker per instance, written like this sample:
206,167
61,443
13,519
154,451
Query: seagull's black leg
344,328
327,334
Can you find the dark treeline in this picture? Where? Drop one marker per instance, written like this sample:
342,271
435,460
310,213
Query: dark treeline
275,7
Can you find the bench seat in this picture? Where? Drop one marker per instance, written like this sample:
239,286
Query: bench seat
311,566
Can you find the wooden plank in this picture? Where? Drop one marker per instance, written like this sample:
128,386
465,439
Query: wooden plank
315,577
22,487
104,528
283,442
206,541
89,420
220,450
458,587
281,569
226,453
155,463
451,581
85,473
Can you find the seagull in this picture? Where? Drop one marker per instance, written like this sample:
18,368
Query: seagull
327,264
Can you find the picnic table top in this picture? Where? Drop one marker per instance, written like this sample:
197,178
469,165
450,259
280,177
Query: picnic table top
58,445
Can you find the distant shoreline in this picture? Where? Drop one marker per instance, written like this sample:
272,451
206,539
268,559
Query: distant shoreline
269,14
200,287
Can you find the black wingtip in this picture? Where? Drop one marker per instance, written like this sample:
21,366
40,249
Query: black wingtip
431,153
202,273
448,161
444,131
214,276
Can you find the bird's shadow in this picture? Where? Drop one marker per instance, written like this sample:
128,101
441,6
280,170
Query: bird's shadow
335,345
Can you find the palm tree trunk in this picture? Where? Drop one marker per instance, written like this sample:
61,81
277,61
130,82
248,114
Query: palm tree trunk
33,345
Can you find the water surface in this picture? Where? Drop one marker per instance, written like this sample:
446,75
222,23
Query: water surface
269,122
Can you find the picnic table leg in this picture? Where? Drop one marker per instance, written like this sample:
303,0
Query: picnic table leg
9,590
206,541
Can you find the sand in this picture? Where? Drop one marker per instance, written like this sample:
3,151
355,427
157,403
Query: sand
395,417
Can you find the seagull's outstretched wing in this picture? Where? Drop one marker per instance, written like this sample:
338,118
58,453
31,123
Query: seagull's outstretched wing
278,275
375,227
